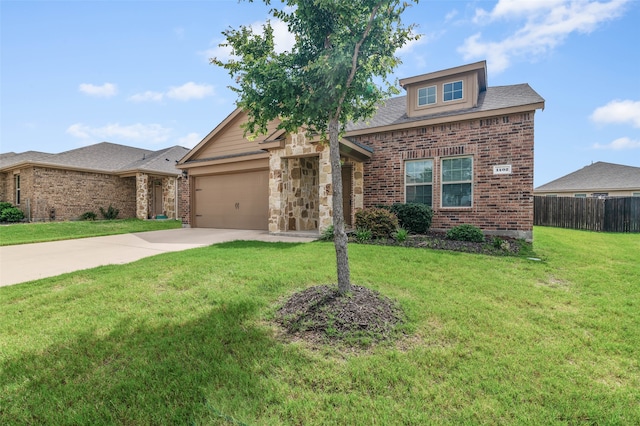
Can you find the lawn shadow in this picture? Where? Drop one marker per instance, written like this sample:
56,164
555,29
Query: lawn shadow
253,244
209,369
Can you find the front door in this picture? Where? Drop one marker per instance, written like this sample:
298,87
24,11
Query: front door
346,194
157,199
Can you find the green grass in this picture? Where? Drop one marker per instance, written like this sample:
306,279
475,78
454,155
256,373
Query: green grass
185,338
25,233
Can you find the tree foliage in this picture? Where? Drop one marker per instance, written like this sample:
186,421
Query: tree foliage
325,81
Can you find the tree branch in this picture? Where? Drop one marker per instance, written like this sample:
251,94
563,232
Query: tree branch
354,58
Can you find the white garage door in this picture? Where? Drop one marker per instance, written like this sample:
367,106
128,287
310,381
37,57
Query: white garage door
232,201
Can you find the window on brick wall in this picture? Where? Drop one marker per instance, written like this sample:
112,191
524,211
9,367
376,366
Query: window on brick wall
16,181
427,96
418,181
457,182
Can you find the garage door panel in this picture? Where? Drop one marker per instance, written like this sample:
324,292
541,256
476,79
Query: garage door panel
235,201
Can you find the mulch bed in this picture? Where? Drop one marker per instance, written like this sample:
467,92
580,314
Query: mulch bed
438,241
320,314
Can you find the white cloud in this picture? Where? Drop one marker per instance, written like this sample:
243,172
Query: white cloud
546,25
107,90
283,41
619,144
147,96
145,133
617,111
449,16
190,140
190,91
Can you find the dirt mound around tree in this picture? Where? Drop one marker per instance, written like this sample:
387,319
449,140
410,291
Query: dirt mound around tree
360,318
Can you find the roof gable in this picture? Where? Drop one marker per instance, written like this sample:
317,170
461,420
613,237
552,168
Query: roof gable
227,140
103,157
597,176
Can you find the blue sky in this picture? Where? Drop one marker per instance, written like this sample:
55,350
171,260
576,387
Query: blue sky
137,73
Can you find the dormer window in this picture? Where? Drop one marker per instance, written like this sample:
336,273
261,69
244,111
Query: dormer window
427,96
452,91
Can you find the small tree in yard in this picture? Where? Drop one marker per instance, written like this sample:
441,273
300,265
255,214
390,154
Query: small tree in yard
324,82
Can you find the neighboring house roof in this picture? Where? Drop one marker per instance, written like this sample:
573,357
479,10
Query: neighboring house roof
104,157
393,112
596,177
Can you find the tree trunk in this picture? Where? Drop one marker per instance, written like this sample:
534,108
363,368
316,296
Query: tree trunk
340,236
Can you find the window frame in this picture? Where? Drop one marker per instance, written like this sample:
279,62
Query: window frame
453,91
456,182
16,187
430,184
427,96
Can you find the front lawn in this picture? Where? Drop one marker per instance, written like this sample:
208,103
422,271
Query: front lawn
189,338
25,233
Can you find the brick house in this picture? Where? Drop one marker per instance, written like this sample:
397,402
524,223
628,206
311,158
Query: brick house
451,142
140,183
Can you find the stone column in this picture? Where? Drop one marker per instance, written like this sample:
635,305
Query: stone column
325,190
142,196
358,186
276,219
169,197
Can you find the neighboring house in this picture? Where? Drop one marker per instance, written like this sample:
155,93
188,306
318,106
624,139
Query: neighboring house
139,182
596,180
453,143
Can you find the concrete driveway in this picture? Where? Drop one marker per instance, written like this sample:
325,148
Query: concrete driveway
29,262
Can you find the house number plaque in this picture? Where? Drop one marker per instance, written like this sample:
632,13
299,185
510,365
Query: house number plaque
503,169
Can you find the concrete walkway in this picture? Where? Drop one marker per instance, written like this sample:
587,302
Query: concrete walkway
29,262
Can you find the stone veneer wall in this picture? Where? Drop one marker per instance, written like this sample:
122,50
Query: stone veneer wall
502,204
184,201
300,193
142,195
296,145
293,196
54,194
145,184
169,197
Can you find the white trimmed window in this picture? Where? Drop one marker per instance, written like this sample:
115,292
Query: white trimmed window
418,181
16,180
457,182
580,195
452,91
427,96
635,194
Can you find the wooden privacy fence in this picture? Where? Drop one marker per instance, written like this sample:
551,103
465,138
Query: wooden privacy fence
618,214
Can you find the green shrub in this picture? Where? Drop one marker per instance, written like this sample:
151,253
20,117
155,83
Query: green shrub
381,222
5,205
11,214
363,235
465,233
111,213
327,234
401,235
415,218
88,216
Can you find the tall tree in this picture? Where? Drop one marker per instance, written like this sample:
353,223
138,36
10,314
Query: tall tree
324,82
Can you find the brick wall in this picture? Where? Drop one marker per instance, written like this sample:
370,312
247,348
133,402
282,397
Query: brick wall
502,204
4,188
70,193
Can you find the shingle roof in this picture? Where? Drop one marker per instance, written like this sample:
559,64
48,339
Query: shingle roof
104,156
597,176
394,110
